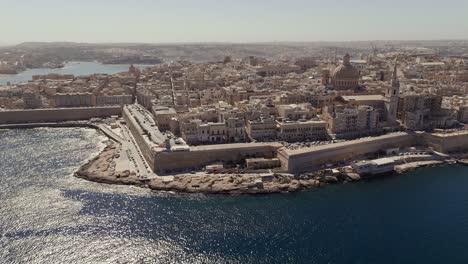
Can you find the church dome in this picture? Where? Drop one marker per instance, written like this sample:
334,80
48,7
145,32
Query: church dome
345,76
345,71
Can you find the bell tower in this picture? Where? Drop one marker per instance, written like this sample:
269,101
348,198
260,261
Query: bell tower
391,96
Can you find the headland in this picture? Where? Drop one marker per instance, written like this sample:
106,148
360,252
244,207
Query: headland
156,160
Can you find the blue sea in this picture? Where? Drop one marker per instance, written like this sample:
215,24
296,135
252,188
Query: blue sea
49,216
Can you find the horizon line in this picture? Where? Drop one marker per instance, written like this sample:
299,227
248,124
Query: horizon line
230,42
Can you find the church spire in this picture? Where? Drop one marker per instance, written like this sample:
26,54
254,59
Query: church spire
395,80
392,95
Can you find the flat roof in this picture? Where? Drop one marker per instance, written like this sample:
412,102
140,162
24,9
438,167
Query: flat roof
383,161
450,134
295,122
358,61
433,63
235,146
146,122
371,97
260,159
164,111
343,144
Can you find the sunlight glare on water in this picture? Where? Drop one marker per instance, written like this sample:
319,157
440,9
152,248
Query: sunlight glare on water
49,216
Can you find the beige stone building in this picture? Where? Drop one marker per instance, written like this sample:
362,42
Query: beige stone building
350,122
235,128
114,100
195,131
296,112
463,114
212,133
261,129
189,131
280,69
302,130
162,116
145,98
74,99
32,100
305,63
420,111
316,99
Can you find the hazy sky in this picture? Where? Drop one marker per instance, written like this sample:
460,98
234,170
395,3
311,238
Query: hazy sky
232,21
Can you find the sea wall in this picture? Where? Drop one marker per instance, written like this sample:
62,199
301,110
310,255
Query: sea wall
162,160
204,155
448,142
56,125
140,138
308,158
57,114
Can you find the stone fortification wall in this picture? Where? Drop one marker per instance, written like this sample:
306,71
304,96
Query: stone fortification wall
57,114
204,155
446,143
139,136
162,160
307,158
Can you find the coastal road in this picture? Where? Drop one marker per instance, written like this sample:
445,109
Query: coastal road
134,154
110,133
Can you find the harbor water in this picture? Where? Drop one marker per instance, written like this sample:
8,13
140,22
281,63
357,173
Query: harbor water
49,216
76,68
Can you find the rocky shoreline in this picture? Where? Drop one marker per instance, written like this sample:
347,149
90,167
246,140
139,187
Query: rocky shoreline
101,169
418,164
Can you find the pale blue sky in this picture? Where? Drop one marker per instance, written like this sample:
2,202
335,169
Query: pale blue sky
156,21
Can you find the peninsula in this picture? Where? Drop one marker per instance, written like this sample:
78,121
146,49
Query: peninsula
258,125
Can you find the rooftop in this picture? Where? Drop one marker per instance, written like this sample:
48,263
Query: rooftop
344,144
372,97
235,146
383,161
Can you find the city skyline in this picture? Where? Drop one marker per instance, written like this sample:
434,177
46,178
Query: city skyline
233,131
240,22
